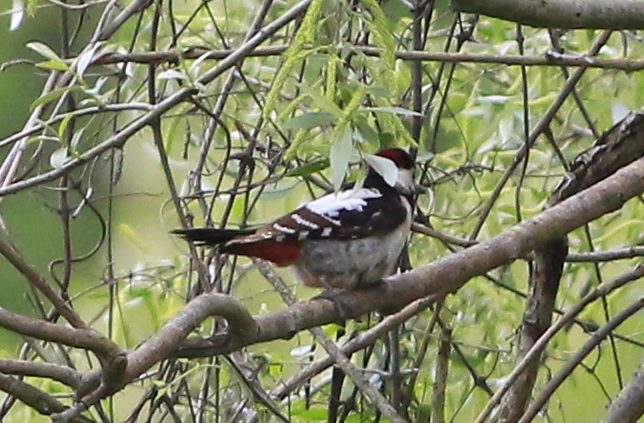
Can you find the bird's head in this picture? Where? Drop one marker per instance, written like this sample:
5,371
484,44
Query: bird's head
395,166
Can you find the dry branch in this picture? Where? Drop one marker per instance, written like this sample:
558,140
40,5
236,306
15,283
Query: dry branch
39,400
63,374
628,407
548,59
564,14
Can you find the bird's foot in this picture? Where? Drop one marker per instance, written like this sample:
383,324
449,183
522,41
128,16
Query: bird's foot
334,296
343,307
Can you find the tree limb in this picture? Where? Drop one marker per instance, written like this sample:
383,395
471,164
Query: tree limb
39,400
564,14
62,374
628,407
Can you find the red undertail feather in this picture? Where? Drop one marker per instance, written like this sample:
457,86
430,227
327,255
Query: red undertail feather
282,253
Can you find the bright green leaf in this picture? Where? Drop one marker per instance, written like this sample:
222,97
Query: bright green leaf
51,96
340,156
309,168
310,120
44,50
53,65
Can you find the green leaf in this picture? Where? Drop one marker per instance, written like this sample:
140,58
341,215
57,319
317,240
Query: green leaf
340,156
305,35
393,110
310,120
366,131
63,125
321,102
51,96
310,168
315,415
44,50
53,65
384,167
58,158
85,59
54,62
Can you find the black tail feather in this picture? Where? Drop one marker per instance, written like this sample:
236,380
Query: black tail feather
211,236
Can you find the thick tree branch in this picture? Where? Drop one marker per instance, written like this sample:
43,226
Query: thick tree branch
63,374
35,398
448,274
628,407
241,326
564,14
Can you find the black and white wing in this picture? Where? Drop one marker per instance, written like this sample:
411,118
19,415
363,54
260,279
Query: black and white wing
350,214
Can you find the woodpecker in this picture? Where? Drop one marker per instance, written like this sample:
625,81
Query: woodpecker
349,239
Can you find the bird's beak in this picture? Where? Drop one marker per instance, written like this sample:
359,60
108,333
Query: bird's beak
419,189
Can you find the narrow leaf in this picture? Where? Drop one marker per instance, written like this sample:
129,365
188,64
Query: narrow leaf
385,167
340,155
310,120
51,96
58,157
53,65
310,168
393,110
17,15
44,50
85,59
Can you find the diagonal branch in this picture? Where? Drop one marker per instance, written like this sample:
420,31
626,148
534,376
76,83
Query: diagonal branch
39,400
62,374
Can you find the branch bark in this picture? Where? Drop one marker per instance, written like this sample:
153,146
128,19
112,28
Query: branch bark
39,400
564,14
628,407
548,59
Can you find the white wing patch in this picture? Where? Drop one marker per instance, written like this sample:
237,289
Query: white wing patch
284,229
330,206
302,221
